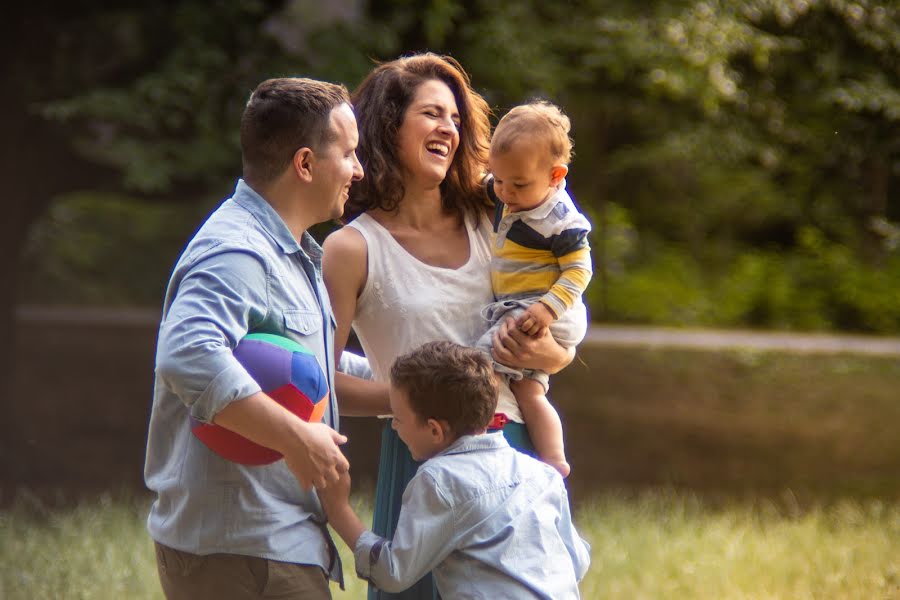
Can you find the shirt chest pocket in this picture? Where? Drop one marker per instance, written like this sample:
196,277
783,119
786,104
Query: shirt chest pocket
304,326
301,321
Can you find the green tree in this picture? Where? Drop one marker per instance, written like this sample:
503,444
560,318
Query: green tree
119,98
711,136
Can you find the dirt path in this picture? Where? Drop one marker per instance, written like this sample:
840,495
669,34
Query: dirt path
599,334
753,340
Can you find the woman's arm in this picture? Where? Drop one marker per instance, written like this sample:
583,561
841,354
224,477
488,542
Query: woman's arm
344,268
361,397
518,349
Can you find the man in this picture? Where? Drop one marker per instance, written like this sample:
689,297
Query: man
223,530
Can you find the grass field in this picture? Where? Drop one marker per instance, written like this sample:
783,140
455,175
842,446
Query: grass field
726,424
654,544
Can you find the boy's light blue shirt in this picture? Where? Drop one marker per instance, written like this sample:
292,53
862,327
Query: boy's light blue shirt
489,521
242,272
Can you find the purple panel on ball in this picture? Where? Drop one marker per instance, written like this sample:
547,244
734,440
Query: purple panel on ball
268,364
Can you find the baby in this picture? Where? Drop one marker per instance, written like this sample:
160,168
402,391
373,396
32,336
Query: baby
541,261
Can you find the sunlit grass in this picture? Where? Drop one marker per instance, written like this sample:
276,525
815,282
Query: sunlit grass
651,545
668,545
97,549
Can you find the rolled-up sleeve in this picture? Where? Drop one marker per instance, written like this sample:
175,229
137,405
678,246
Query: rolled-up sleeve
355,365
216,303
423,538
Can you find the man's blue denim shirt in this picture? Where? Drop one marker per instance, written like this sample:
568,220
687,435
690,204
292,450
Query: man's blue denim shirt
490,522
242,272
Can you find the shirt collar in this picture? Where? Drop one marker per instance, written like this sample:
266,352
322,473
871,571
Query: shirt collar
469,443
545,208
271,221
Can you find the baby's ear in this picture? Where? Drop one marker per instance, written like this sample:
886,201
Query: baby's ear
558,173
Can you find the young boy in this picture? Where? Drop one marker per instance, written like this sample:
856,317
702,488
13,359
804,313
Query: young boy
490,521
541,260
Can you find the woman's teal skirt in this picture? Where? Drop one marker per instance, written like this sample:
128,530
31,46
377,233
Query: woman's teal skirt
395,468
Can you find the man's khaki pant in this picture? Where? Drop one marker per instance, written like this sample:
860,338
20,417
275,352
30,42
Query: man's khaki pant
186,576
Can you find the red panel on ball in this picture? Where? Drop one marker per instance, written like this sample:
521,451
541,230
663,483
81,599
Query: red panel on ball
234,447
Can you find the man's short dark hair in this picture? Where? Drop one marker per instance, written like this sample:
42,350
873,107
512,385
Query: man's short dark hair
446,381
282,116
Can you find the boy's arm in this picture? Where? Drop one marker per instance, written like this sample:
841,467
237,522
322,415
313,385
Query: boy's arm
336,503
423,539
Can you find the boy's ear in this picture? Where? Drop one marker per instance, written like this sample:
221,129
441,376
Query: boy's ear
440,430
558,173
302,162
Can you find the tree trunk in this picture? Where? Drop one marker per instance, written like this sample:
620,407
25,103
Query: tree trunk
37,164
10,245
875,200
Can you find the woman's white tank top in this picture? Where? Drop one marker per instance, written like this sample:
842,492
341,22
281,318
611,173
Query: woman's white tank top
405,302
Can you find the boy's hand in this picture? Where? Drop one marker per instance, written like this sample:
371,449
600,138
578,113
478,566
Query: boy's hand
336,497
535,319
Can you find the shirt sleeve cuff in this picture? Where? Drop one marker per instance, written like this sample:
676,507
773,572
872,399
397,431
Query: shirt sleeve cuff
233,383
366,553
555,304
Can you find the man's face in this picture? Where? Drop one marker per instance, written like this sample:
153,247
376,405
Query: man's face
336,165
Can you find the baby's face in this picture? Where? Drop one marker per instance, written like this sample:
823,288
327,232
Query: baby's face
523,177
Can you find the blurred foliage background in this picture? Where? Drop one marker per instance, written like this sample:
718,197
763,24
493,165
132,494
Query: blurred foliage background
740,159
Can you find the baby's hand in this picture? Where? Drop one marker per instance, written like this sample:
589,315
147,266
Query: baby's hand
336,495
535,319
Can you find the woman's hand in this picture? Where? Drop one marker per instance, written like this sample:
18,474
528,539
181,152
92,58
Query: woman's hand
517,349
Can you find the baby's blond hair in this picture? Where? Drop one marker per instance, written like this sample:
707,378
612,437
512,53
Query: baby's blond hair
536,121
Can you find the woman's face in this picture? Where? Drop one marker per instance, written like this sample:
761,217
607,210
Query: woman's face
429,134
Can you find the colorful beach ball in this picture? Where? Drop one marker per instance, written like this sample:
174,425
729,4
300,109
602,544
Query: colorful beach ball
287,372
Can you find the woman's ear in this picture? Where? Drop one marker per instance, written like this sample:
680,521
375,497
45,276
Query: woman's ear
558,173
302,163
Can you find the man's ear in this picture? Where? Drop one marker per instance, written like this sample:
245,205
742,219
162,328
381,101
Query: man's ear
303,162
557,173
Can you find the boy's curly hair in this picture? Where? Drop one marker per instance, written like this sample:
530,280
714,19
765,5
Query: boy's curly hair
449,382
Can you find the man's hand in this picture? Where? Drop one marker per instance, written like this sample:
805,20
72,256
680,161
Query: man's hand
315,459
310,450
535,319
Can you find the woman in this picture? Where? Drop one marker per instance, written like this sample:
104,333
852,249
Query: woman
413,266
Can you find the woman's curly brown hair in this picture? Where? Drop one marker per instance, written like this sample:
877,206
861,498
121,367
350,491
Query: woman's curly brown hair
380,104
